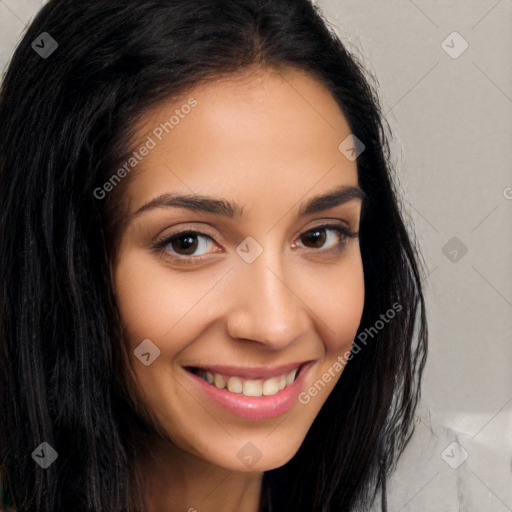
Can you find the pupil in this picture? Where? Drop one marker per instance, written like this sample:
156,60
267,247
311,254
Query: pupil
190,243
317,235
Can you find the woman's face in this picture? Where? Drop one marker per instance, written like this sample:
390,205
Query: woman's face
254,289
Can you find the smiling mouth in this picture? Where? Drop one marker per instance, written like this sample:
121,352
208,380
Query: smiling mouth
248,387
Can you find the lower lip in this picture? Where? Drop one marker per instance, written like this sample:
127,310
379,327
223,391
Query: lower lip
259,407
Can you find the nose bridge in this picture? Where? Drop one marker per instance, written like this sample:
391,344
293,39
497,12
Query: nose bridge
265,306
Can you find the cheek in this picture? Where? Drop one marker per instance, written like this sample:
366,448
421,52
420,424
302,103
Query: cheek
138,295
149,301
341,306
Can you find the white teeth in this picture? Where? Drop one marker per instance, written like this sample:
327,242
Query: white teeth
291,377
271,387
219,381
235,385
250,387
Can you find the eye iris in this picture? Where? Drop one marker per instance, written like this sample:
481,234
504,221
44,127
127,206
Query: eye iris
190,242
316,236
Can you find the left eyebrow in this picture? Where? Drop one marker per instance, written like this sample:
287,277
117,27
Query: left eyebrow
221,207
334,198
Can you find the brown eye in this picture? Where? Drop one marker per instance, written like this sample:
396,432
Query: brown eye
316,237
185,243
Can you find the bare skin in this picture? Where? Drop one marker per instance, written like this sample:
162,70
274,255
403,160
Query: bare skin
267,141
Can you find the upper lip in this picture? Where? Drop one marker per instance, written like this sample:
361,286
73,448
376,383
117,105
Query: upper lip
250,372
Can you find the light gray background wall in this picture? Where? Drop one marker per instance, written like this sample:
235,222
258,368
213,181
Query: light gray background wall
451,113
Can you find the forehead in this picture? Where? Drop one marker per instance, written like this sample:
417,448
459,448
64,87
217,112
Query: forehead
244,134
286,94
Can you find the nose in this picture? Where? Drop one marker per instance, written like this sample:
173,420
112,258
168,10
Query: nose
265,306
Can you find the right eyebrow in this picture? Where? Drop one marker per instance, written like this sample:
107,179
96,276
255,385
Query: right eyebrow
194,203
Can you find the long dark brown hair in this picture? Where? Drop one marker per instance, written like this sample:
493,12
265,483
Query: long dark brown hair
64,125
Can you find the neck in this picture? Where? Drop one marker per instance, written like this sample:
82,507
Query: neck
178,481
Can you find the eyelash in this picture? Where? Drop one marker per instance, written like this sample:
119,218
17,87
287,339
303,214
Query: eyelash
160,245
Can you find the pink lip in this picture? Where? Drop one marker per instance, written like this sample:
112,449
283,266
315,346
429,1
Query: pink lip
252,372
261,407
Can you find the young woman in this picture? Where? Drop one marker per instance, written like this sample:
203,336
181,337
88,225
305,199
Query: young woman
210,300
